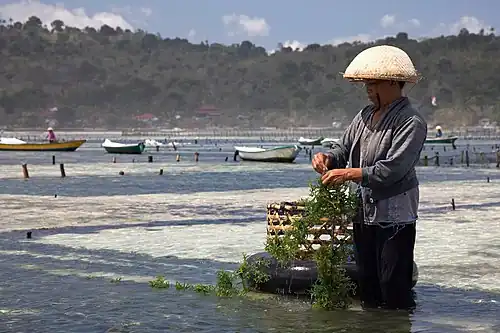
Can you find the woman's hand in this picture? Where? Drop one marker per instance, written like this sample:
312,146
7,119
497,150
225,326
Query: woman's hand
340,176
335,177
320,162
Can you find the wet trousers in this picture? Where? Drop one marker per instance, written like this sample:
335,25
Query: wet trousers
384,258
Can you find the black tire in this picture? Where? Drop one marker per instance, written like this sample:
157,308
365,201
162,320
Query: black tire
299,276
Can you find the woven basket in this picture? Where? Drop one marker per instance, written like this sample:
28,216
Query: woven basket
280,217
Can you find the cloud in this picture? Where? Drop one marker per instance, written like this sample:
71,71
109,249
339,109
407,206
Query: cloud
390,21
76,17
294,45
387,20
471,23
135,16
243,24
191,34
122,10
414,22
130,11
146,11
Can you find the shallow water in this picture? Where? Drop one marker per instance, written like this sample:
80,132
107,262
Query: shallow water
200,217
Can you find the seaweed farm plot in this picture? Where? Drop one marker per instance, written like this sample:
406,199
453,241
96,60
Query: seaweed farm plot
88,262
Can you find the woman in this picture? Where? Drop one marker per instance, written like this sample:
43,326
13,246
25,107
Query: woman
379,151
439,131
51,135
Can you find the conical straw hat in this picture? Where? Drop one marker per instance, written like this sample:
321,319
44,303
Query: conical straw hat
382,62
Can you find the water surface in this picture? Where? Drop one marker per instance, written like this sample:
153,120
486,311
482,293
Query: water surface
200,217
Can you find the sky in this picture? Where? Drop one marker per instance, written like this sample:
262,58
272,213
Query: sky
268,22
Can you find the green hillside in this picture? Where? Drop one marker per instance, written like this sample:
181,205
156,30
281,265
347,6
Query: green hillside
105,77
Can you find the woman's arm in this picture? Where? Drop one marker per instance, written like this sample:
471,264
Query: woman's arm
338,155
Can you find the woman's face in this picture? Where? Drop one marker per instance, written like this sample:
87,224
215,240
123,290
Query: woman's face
377,90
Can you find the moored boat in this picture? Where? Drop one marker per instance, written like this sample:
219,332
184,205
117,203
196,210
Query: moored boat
441,140
310,142
283,154
11,141
328,142
13,144
152,143
123,148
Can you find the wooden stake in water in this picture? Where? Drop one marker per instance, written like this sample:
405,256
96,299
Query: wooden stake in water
63,172
26,174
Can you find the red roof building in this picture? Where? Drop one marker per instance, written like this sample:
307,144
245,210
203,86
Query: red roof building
208,111
146,117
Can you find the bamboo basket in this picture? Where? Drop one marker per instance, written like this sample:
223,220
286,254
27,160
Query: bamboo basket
327,232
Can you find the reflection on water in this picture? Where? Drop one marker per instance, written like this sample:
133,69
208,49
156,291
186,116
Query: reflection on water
60,281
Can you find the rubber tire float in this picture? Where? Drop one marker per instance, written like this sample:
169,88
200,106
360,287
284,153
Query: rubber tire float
299,276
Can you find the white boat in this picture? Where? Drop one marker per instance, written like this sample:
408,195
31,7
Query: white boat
12,141
123,148
175,144
285,154
310,142
149,143
328,142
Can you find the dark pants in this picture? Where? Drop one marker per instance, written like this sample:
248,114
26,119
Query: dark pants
384,257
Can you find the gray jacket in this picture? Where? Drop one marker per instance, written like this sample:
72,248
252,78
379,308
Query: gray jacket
393,152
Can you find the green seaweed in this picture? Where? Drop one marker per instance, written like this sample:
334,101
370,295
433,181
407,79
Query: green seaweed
228,283
333,288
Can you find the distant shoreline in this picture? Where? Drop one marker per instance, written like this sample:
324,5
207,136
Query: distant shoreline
471,133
